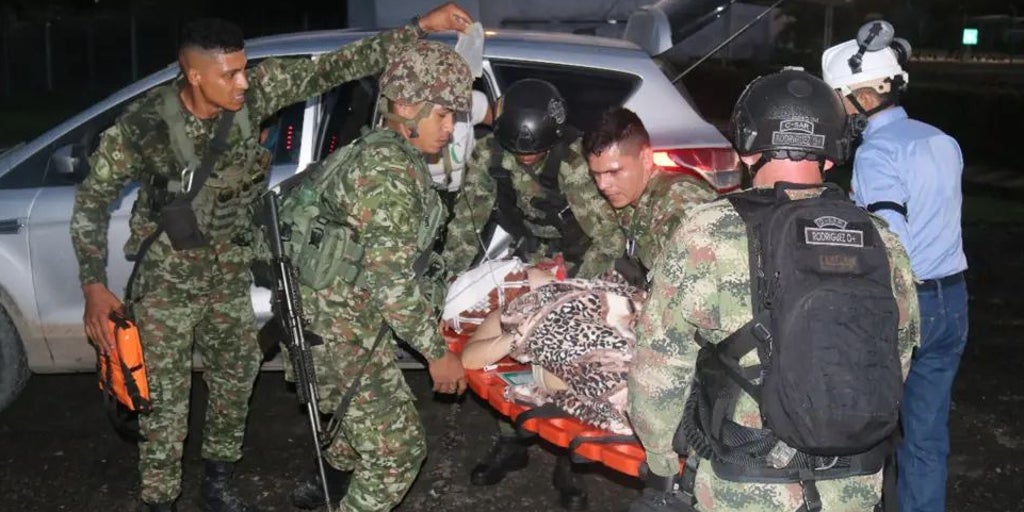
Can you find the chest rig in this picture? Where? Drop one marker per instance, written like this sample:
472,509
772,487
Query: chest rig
552,210
222,206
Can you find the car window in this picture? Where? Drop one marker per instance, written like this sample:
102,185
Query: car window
282,134
39,169
347,109
587,91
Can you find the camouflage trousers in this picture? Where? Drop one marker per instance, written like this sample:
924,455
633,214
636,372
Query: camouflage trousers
210,305
381,437
854,494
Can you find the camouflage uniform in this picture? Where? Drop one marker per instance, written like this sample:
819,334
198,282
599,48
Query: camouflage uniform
666,200
473,208
382,194
386,196
702,283
204,291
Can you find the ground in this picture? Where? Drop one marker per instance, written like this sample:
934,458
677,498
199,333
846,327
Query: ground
58,452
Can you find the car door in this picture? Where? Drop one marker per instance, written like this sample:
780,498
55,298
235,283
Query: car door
18,189
63,164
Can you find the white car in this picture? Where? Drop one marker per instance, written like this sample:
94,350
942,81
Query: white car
41,302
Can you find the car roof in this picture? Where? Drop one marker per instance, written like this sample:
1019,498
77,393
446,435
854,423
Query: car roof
327,40
671,124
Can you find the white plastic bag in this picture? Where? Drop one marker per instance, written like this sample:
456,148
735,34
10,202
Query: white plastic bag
471,47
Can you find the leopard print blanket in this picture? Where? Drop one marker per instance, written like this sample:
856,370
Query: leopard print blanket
581,331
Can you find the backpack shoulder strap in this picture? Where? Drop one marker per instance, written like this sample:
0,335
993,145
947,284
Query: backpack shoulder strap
170,110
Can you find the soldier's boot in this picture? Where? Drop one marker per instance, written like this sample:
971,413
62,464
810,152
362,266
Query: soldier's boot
309,493
217,491
509,453
161,507
662,494
571,493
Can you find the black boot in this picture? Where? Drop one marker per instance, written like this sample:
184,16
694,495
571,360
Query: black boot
509,453
309,492
661,494
571,493
217,492
161,507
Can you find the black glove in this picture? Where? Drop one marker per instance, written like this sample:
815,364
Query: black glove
632,270
554,209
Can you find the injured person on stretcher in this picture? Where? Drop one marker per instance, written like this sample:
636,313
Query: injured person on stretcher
577,335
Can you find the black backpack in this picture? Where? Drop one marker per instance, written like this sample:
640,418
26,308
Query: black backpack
825,324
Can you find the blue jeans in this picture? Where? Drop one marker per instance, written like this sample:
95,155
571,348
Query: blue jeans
922,456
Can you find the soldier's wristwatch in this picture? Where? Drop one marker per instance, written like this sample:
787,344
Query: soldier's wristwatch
415,21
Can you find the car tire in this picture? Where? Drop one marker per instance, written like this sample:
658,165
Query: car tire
14,371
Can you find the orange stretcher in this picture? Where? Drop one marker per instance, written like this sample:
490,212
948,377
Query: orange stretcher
623,454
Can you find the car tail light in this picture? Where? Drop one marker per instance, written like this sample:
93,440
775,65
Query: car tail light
718,166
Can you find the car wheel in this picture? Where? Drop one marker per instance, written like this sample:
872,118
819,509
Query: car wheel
13,365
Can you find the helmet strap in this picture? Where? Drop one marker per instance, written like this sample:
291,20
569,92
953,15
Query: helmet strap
410,124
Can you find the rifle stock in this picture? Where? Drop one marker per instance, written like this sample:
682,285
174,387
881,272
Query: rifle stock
288,301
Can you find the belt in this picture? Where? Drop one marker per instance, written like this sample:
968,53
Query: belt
942,282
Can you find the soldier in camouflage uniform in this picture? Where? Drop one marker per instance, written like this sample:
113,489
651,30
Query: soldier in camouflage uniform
204,291
650,203
701,286
381,189
532,173
530,178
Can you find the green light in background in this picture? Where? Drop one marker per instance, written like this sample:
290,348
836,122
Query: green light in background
970,37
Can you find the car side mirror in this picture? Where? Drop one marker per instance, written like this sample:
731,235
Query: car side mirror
69,163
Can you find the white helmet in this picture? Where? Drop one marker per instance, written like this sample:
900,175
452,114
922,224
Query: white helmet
874,59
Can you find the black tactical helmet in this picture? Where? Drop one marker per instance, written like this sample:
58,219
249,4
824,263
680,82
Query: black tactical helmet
531,117
791,115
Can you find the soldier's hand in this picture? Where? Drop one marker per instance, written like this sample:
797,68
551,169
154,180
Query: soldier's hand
448,374
446,17
99,303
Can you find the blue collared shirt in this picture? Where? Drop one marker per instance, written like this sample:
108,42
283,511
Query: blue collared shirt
917,165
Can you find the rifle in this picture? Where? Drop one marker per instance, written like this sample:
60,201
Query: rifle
288,300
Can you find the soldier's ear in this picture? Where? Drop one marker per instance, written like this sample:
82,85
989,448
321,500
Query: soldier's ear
647,157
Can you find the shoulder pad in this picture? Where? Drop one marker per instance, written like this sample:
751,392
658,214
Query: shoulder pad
574,153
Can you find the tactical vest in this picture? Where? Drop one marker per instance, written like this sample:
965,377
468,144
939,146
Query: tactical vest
573,241
319,239
223,205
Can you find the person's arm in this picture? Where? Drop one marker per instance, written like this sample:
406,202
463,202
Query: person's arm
878,187
905,292
111,167
471,210
487,344
276,83
663,365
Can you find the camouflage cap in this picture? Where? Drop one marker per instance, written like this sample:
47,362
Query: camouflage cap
429,71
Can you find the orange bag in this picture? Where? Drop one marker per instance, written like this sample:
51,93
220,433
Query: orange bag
122,373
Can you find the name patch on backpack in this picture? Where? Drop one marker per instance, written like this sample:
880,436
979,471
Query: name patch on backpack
833,231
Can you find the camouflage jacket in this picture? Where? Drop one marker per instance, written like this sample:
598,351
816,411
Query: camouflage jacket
137,147
701,283
384,197
664,205
473,208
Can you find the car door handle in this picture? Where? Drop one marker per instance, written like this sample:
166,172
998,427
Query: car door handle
10,226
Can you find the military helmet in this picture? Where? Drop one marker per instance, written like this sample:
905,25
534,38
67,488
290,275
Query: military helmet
791,115
531,117
429,71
